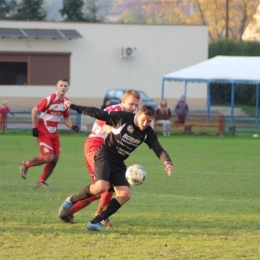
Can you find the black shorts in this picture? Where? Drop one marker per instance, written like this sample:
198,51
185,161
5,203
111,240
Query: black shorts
109,171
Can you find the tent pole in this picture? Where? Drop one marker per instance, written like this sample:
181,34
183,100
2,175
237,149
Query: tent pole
208,101
232,102
185,90
162,94
256,104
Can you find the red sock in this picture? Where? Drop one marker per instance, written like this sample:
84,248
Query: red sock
48,169
106,196
39,160
82,204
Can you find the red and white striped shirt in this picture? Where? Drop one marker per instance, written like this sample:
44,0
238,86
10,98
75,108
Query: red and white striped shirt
52,109
98,135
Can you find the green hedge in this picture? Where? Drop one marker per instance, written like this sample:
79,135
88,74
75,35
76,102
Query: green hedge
232,48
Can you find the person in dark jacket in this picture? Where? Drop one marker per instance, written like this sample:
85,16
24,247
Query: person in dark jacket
181,110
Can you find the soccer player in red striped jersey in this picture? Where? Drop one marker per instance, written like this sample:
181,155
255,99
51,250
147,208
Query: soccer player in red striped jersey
130,102
51,110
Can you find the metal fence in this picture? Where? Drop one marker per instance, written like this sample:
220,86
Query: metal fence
22,121
195,123
242,124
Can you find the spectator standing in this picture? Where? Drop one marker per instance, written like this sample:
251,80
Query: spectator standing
4,110
162,116
51,109
181,110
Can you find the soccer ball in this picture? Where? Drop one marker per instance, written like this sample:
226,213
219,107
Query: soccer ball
135,174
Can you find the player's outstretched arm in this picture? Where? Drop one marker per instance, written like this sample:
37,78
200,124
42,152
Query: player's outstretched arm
168,168
164,157
89,111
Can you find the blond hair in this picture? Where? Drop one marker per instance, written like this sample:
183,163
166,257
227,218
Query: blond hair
131,92
163,108
4,103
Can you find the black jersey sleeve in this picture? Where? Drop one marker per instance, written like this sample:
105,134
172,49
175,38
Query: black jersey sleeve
161,153
153,143
110,117
90,111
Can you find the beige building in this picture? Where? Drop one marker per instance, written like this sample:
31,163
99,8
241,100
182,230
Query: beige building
95,58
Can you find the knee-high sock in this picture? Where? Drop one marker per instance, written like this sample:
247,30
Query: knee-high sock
112,207
81,204
48,169
83,194
39,160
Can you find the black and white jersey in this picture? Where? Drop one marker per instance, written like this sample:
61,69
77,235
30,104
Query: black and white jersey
125,136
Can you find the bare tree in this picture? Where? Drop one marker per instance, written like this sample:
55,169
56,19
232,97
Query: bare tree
197,12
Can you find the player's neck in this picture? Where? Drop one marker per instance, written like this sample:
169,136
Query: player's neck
135,120
61,96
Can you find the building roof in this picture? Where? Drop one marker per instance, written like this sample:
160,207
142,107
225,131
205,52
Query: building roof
39,33
220,69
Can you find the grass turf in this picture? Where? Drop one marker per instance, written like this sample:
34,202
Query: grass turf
208,209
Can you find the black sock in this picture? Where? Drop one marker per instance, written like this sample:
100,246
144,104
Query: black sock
83,194
112,207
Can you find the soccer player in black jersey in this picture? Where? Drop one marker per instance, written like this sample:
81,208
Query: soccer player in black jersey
129,130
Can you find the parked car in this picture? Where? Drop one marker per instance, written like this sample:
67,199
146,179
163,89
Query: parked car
116,94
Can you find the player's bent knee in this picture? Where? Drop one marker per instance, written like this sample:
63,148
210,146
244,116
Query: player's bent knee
125,195
49,158
56,157
128,196
123,199
100,186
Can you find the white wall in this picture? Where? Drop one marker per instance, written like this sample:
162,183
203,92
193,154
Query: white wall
96,63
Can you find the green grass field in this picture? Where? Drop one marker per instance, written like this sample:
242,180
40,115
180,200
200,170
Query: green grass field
208,209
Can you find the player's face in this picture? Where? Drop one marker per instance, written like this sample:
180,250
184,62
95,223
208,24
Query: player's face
143,121
62,87
130,104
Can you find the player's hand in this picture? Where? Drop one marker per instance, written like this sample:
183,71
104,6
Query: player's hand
168,168
75,128
67,104
35,132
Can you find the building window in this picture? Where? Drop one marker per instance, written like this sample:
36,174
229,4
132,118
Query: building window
13,73
33,68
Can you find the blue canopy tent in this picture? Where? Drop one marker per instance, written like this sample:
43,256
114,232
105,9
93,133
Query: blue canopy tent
232,70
